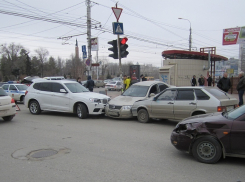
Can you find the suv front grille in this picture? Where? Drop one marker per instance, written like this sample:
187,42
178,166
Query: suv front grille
114,107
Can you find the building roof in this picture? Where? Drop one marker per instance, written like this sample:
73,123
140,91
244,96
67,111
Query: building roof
180,54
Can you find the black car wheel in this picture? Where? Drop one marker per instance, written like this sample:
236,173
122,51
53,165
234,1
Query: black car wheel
8,118
207,150
34,107
143,116
81,111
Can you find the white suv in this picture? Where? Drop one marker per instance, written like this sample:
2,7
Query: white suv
64,96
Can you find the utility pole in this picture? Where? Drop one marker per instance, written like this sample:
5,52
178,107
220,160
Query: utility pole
89,34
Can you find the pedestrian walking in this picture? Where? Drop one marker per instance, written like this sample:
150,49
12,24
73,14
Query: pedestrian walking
128,81
90,84
241,87
201,81
210,80
142,78
193,81
224,83
79,80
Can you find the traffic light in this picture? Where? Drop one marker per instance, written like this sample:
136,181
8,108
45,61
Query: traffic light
123,47
113,49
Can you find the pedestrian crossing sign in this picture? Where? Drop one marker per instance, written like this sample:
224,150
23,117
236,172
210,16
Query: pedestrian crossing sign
117,28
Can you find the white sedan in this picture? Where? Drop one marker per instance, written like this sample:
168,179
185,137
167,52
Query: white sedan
114,85
7,106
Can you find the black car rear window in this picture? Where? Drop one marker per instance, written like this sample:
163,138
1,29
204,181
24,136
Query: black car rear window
201,95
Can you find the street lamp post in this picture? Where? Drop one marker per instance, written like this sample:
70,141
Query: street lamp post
190,32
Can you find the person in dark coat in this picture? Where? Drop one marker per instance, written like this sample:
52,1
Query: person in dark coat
90,84
201,81
210,80
193,81
224,83
241,87
143,78
79,80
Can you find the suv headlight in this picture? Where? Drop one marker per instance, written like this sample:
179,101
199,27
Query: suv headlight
95,100
126,107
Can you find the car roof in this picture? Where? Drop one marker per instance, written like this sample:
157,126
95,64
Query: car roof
149,83
13,84
48,81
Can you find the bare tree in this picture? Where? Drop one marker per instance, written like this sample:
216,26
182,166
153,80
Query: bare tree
42,54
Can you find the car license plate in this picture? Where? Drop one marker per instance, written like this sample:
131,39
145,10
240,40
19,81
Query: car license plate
228,108
113,113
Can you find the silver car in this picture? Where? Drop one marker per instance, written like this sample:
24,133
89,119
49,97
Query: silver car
120,107
182,102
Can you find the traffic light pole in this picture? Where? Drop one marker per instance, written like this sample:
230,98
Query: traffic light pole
119,55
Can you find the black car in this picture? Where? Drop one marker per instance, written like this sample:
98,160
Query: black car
209,137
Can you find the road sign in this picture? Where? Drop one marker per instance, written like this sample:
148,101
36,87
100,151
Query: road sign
88,62
84,55
117,12
117,28
83,48
95,64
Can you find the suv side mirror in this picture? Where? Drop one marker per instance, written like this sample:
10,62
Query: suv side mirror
63,91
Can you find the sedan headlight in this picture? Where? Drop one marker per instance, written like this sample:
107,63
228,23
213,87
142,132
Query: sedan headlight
126,107
95,100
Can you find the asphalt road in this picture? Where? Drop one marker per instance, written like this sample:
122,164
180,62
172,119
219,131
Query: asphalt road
100,149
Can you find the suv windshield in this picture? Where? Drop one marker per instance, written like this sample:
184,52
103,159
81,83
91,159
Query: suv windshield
21,87
76,87
136,91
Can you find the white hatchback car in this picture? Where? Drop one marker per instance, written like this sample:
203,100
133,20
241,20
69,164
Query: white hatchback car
64,96
7,106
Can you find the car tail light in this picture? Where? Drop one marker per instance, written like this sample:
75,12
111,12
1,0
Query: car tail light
221,109
26,92
12,100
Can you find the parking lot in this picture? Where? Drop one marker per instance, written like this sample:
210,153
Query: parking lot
100,149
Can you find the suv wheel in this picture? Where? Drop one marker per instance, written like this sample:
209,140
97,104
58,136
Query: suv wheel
81,111
143,116
34,107
207,150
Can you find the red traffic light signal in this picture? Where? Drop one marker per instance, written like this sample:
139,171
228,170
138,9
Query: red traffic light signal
124,40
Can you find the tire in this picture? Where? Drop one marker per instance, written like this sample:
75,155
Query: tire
34,107
8,118
143,116
207,150
81,111
22,98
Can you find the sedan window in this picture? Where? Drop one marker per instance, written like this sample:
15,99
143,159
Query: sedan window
22,87
162,86
12,87
2,92
185,95
167,95
201,95
5,87
136,91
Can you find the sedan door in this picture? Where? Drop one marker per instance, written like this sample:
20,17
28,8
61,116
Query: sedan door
238,137
163,106
184,104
